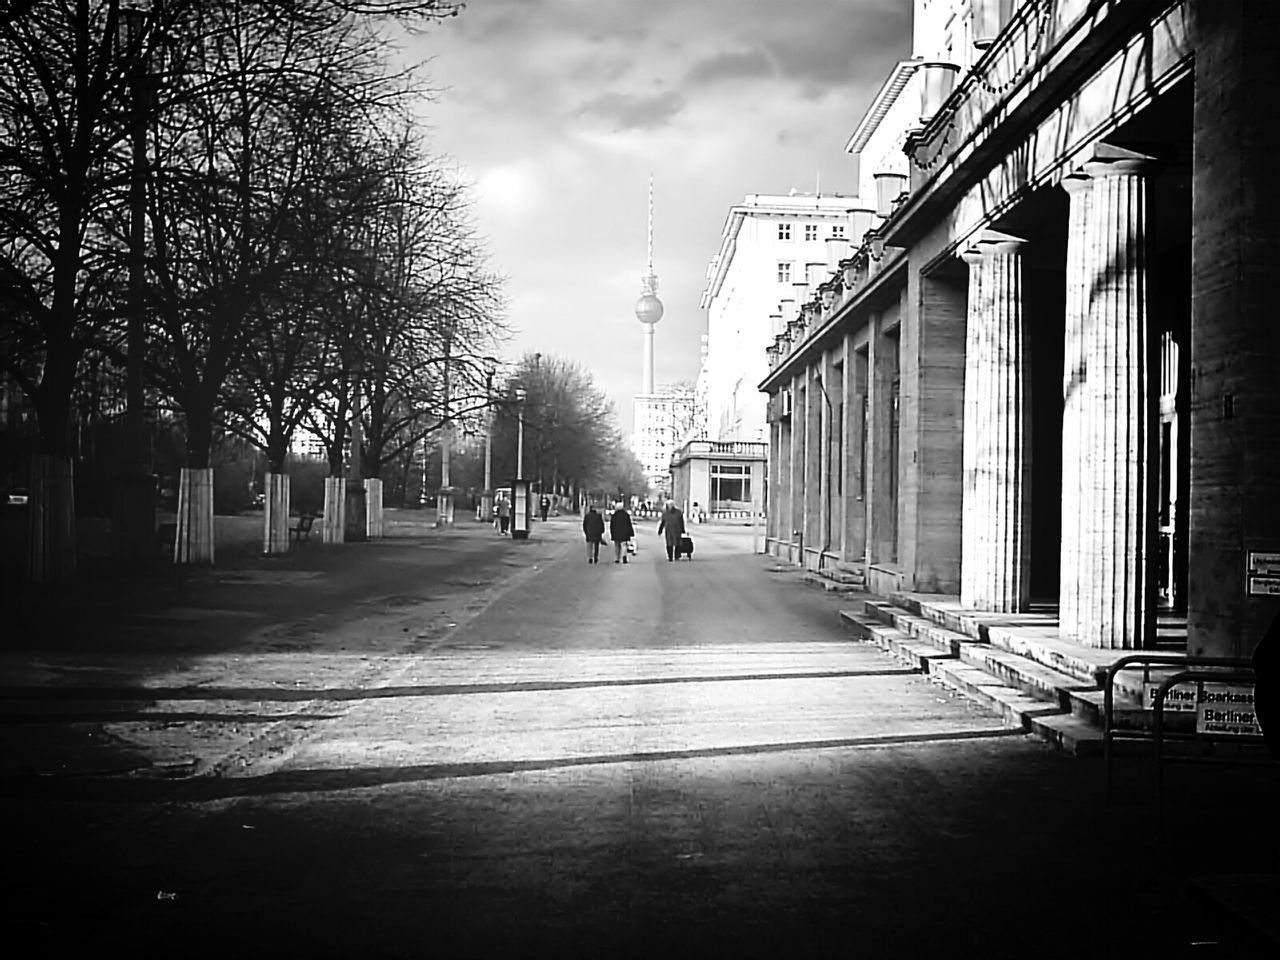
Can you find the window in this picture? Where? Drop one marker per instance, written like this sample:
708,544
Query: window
784,231
837,229
730,486
811,231
784,272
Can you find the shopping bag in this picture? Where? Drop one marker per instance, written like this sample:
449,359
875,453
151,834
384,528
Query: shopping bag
631,547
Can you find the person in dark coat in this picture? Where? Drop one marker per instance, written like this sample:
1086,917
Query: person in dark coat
593,530
671,524
621,530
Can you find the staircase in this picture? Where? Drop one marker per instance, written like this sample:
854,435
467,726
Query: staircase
1015,666
840,577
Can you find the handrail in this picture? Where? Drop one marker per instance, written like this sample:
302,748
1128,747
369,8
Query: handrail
1199,677
1147,660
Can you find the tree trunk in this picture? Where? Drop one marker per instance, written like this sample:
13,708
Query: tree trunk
275,513
194,542
334,523
52,550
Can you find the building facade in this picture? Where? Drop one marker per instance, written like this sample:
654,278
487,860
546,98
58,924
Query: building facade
662,421
771,249
1048,371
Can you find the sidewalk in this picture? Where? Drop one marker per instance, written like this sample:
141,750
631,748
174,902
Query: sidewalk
99,654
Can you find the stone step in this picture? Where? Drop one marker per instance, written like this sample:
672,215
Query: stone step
1016,707
897,642
831,586
1069,733
1052,705
842,576
1033,637
1030,677
921,627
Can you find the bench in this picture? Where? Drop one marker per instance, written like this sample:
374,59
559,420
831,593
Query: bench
302,529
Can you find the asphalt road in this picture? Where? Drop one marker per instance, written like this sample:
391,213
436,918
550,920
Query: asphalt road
455,745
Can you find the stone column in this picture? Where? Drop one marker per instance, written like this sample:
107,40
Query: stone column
973,524
795,511
997,457
1011,446
1119,410
1076,550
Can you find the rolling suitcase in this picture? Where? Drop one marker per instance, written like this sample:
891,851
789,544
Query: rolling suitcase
685,546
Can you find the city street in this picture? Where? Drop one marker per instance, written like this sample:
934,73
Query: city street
446,743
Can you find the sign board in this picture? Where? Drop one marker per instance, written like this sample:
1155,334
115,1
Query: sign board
1264,564
1179,699
1264,586
1220,708
1227,708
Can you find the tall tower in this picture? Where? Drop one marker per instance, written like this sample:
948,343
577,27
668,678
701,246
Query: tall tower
648,307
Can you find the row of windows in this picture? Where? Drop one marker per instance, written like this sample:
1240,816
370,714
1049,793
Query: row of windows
810,230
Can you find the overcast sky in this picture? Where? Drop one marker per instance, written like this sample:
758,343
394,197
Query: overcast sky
557,111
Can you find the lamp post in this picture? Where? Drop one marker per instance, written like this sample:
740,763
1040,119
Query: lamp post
356,520
519,485
133,492
444,499
486,496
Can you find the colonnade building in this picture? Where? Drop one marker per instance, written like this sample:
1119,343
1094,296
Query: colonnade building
1048,371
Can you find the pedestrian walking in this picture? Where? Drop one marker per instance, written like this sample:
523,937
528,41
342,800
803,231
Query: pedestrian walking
593,530
672,525
504,515
543,506
621,530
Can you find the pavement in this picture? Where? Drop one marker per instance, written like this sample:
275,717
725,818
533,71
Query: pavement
176,769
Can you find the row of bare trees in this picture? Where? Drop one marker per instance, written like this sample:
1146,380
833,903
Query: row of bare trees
572,442
232,201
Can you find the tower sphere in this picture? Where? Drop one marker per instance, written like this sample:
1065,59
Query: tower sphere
648,309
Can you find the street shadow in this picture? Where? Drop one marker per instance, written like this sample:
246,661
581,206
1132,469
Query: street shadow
298,694
205,789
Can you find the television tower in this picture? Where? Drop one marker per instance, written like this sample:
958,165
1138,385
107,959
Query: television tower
648,307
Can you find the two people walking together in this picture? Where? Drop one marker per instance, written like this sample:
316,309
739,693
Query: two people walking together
621,531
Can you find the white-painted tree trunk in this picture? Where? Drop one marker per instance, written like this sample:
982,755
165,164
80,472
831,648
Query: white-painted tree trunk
334,522
373,507
194,541
275,514
52,506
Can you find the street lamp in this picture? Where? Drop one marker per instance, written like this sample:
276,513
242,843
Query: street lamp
520,398
133,492
486,496
519,485
444,499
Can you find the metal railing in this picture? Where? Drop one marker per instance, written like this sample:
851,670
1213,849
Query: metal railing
1147,660
1199,678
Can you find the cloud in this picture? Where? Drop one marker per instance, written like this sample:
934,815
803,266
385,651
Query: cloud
732,65
634,112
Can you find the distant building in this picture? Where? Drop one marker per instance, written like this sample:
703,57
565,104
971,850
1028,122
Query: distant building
774,251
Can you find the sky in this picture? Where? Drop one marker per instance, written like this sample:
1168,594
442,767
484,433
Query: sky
558,111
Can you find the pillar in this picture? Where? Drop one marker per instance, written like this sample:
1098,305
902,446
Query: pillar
1076,550
1119,405
1235,384
997,459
